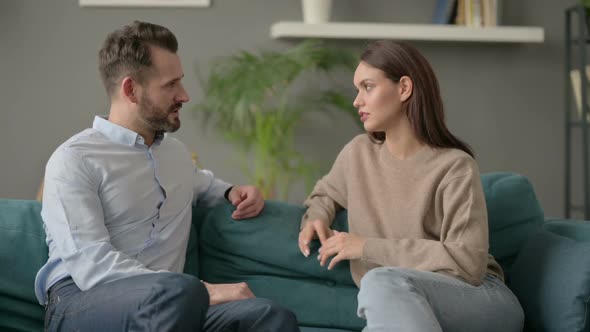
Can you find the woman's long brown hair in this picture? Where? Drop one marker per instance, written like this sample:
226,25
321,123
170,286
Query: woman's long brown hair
424,109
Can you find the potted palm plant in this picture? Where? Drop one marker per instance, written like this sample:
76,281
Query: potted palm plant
250,99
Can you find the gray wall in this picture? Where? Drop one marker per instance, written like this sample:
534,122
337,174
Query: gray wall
504,99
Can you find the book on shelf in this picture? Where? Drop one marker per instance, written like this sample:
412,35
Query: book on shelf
472,13
576,80
444,12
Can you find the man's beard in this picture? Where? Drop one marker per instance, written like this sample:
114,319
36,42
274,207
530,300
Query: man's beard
156,118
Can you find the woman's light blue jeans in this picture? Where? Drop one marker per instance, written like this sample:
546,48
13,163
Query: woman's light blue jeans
395,299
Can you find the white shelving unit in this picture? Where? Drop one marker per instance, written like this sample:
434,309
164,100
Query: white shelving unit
432,32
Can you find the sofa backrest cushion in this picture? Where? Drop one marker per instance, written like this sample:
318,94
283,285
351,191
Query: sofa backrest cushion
22,252
263,251
551,278
513,215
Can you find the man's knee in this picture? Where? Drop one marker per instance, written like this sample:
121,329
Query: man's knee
181,289
177,302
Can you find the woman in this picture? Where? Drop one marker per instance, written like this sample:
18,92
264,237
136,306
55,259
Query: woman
418,229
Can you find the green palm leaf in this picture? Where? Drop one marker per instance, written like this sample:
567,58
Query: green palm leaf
249,99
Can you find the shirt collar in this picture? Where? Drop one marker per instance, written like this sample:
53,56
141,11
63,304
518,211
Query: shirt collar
115,132
121,134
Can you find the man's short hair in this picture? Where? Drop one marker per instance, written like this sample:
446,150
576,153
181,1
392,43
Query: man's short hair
126,52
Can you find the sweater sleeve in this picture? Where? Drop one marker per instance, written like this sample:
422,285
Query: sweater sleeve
329,194
461,250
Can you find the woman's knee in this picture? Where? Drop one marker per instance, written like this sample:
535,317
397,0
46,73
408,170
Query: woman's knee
380,279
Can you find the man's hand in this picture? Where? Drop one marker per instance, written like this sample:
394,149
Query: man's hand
344,245
220,293
247,200
313,230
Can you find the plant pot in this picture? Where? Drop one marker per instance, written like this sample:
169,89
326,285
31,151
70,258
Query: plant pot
316,11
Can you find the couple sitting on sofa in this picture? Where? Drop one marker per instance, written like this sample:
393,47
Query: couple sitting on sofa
118,201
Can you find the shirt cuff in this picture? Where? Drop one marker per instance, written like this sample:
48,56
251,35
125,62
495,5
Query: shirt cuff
226,194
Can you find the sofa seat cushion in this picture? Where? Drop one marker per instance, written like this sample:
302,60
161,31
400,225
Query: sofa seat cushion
551,278
22,252
263,251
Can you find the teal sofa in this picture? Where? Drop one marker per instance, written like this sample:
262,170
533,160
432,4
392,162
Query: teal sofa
547,262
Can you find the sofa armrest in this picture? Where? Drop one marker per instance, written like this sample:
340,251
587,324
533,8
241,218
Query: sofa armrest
551,277
578,230
22,252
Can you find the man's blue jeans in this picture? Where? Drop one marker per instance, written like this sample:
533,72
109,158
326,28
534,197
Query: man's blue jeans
396,299
158,302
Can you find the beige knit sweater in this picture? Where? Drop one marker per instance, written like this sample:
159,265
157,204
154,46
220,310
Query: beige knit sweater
427,212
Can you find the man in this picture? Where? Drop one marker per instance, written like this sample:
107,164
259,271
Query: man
117,209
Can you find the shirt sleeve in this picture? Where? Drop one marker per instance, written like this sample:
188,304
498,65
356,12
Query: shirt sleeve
462,250
73,217
209,190
329,194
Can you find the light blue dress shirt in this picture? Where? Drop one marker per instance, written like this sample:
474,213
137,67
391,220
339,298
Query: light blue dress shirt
114,207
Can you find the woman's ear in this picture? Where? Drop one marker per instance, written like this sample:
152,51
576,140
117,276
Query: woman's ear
406,87
129,89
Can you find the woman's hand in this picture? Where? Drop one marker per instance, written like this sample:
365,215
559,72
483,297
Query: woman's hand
343,245
313,230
